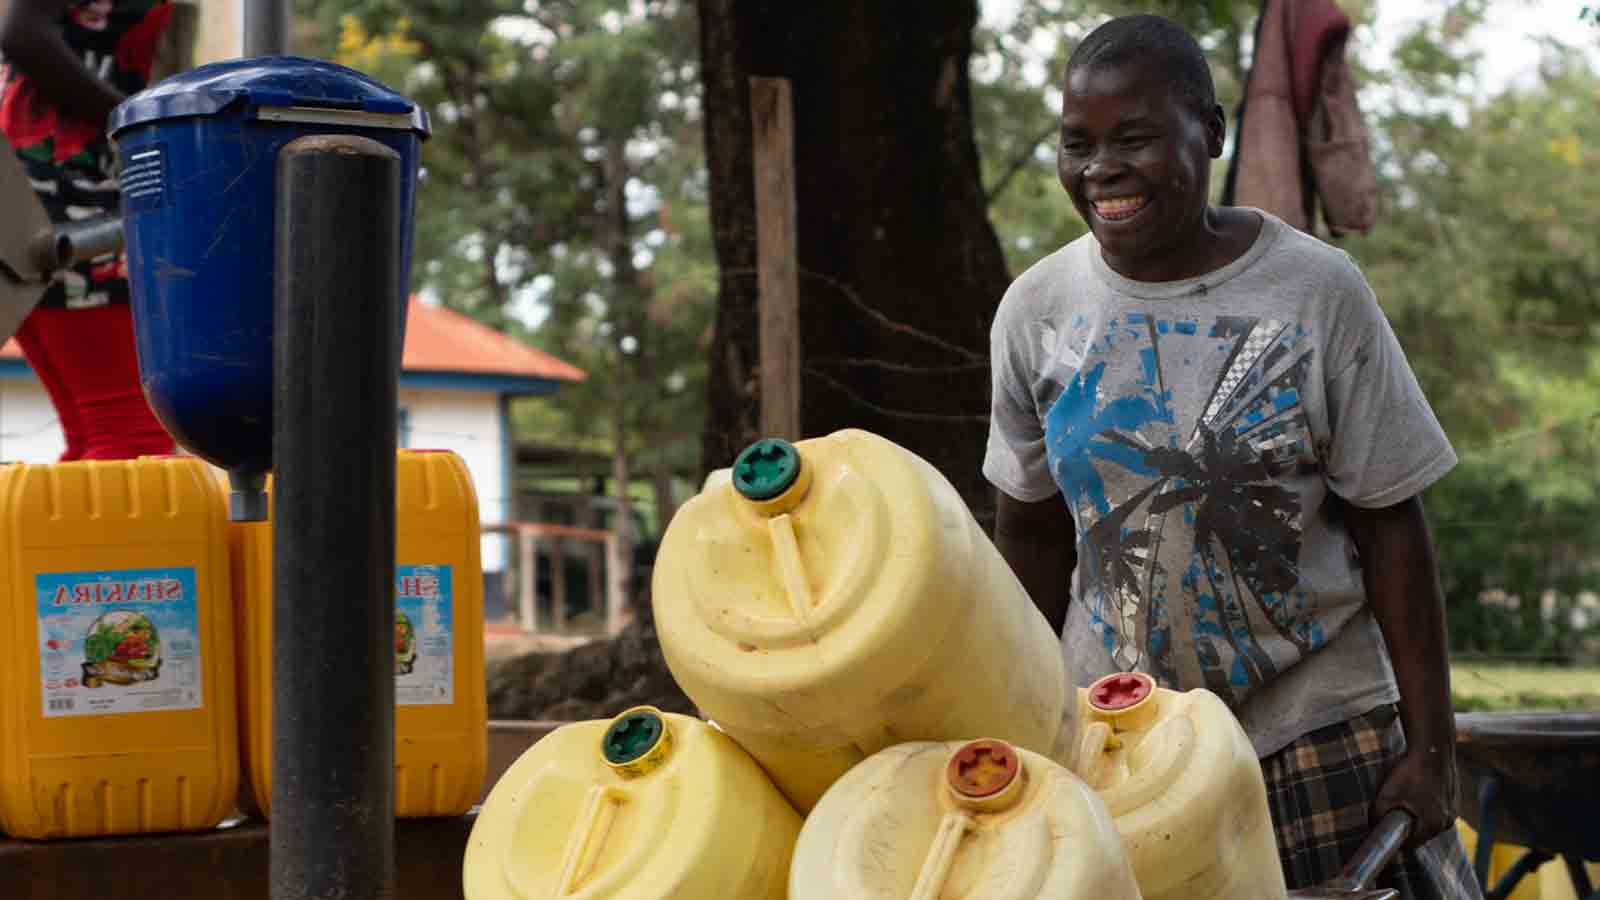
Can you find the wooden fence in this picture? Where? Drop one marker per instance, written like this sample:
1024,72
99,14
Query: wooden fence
606,586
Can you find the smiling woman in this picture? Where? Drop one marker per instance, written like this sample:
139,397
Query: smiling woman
1138,134
1219,403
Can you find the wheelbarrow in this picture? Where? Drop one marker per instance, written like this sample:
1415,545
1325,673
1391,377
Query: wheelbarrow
1532,779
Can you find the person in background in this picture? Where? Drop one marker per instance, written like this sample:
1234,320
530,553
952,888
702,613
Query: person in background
66,65
1210,449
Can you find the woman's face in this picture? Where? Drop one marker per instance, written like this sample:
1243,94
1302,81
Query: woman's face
94,15
1135,157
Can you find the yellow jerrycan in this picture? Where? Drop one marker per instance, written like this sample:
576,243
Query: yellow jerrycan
823,600
441,714
647,806
950,821
116,649
1182,782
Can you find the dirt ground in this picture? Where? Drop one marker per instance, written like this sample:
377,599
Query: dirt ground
595,680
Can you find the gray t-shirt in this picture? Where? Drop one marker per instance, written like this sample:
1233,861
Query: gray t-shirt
1206,434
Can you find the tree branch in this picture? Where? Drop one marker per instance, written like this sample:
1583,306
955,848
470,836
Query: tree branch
1017,165
900,367
855,299
894,413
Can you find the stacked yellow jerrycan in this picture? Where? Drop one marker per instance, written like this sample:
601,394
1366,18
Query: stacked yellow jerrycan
977,821
648,806
827,599
441,714
116,649
1182,783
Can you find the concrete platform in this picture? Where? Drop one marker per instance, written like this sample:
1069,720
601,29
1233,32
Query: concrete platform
230,862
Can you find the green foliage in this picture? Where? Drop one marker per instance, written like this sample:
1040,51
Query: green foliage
1484,260
1513,564
1485,256
1487,226
564,196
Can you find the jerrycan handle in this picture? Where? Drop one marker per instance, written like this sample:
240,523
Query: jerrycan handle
791,565
1092,764
941,856
588,834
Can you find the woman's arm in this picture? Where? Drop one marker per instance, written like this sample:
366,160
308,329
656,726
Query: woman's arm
30,39
1039,541
1402,582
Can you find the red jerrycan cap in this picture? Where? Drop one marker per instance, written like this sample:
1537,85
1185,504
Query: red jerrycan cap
1122,691
985,774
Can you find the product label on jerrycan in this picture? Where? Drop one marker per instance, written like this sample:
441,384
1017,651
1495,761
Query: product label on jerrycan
118,641
424,652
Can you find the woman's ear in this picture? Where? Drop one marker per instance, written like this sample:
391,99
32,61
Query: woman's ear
1216,131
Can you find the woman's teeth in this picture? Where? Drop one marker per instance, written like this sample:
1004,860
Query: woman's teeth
1118,207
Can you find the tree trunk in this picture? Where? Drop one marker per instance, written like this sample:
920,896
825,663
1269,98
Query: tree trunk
665,493
900,270
625,297
619,565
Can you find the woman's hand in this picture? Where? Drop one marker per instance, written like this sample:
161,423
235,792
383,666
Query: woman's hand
1424,784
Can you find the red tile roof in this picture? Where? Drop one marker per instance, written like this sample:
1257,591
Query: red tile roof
439,340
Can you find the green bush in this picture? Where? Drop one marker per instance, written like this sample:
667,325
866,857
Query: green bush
1506,541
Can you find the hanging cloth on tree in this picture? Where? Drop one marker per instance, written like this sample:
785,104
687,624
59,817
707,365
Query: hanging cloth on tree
1301,138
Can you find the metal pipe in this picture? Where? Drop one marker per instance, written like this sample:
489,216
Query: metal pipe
247,496
335,384
1526,864
266,27
76,242
1488,826
1579,874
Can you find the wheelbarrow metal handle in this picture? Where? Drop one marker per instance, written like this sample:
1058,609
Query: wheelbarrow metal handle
1375,852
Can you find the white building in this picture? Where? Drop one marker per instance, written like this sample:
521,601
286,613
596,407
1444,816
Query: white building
457,382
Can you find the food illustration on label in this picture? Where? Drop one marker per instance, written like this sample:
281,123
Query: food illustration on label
122,647
405,644
424,652
119,641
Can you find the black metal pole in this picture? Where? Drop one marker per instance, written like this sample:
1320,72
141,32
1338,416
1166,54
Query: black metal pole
266,27
335,380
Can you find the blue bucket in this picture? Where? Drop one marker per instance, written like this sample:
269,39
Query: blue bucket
197,157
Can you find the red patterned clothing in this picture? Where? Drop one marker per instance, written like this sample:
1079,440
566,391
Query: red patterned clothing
69,160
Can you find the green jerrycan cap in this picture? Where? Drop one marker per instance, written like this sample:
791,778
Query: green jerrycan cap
766,469
637,741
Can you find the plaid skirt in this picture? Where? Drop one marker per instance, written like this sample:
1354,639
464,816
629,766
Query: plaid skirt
1321,788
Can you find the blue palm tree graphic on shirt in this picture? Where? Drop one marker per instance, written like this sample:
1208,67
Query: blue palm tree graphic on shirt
1081,433
1242,563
